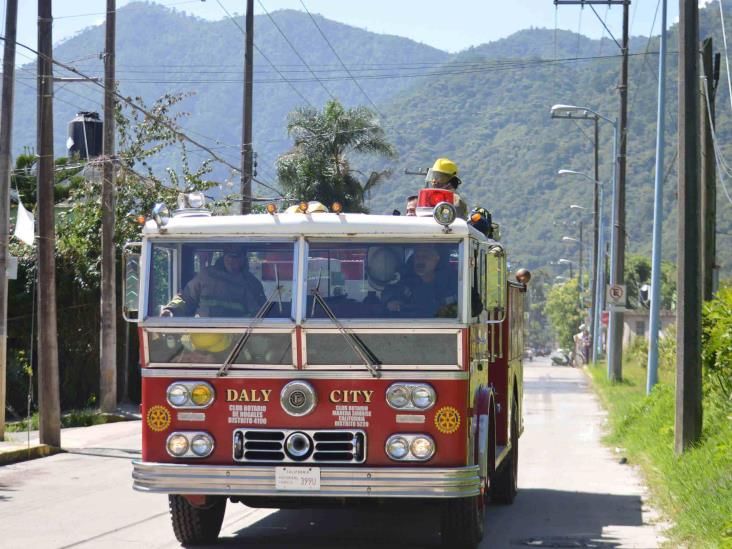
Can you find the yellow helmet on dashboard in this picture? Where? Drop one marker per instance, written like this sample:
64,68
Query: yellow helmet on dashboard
213,343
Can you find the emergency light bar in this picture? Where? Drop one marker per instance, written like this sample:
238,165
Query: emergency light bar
429,198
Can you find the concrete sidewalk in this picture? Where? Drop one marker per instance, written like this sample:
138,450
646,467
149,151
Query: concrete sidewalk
22,446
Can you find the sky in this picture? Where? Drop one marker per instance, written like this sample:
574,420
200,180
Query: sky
450,26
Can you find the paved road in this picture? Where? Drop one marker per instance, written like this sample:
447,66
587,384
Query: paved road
573,493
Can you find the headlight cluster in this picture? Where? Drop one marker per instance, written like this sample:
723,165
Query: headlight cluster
410,447
411,396
190,394
195,444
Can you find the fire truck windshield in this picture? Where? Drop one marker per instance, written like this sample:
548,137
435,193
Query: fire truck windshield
220,279
383,280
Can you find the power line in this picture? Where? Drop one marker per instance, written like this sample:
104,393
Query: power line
294,49
170,4
128,101
339,58
264,56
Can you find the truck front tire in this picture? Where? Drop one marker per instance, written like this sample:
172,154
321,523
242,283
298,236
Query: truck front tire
194,525
463,522
504,482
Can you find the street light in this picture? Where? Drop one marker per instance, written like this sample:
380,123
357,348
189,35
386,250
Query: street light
615,326
598,277
567,262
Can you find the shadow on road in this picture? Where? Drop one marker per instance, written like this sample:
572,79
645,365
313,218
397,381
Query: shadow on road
539,518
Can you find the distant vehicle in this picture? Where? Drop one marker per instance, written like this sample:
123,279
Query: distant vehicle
529,354
560,357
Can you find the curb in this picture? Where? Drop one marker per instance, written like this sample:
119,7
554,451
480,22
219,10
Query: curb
24,454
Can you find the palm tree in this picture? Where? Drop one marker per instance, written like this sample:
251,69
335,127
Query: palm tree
317,167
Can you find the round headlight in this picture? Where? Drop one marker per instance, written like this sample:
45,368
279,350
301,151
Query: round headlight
423,397
201,395
444,213
177,445
397,447
397,396
177,394
202,445
422,448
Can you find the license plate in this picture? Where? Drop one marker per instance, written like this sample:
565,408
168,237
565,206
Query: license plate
305,479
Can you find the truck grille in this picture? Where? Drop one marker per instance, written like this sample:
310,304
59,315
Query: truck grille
299,446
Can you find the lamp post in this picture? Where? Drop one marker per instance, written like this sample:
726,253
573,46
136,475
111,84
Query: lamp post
598,285
572,112
567,262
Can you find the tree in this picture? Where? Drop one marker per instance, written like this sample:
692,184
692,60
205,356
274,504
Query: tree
563,312
318,166
638,273
537,333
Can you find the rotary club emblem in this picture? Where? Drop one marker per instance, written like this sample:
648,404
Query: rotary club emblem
447,420
158,418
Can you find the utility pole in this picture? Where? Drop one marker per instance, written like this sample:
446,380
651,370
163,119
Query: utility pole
710,68
108,321
688,310
246,130
615,324
580,286
48,381
6,126
615,345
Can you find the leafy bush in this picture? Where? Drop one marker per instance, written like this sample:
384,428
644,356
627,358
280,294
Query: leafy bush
717,346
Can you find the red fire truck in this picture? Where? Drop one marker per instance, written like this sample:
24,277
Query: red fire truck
382,361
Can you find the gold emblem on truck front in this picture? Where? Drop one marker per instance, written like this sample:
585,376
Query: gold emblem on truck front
158,418
447,420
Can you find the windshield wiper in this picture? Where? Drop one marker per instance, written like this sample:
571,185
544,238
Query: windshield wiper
248,332
359,347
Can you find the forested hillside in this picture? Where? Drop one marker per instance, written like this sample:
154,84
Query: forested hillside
486,107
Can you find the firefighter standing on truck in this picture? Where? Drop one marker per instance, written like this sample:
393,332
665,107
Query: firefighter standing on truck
443,175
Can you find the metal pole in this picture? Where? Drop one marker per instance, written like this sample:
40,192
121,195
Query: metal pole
655,327
613,256
600,284
615,360
595,233
708,170
48,380
580,286
6,126
108,339
246,131
688,320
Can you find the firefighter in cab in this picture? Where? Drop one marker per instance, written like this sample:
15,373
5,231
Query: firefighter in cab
444,175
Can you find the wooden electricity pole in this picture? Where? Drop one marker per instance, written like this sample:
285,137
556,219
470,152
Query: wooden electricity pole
710,68
688,309
108,336
6,127
246,130
48,381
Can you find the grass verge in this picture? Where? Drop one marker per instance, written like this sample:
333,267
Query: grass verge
694,490
72,418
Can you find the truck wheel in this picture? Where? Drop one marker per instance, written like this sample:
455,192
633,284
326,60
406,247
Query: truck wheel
463,522
196,525
504,482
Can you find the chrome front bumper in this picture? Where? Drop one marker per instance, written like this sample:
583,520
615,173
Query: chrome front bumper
349,482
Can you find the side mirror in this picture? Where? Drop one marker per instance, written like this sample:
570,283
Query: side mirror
496,282
131,282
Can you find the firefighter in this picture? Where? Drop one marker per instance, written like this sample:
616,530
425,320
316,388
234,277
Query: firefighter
428,288
227,289
444,175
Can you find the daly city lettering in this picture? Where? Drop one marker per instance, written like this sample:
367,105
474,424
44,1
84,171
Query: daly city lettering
248,395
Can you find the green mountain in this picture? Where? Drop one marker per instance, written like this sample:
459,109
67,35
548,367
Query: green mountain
487,108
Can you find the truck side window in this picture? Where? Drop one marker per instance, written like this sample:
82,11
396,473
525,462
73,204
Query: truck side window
477,284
